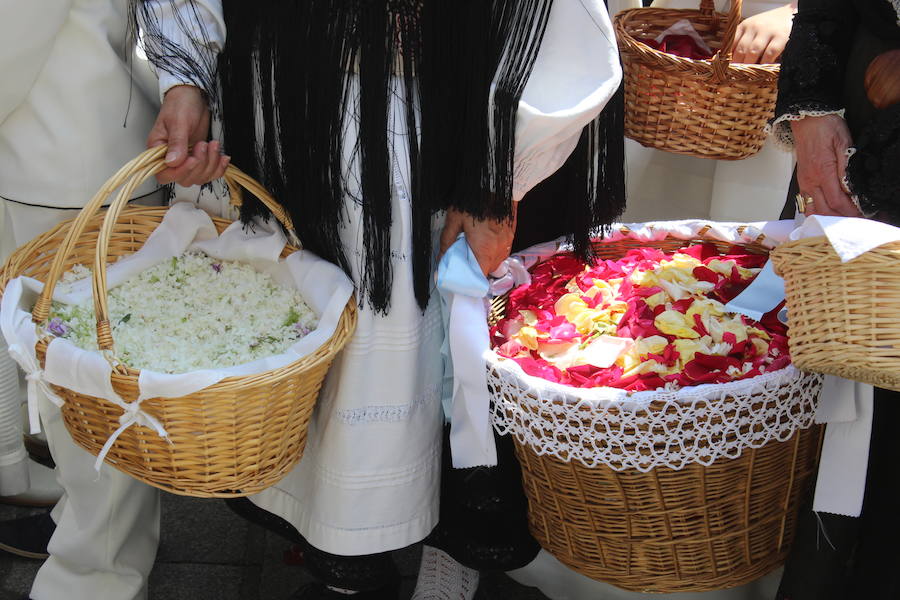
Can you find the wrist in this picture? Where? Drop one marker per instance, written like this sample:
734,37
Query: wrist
177,89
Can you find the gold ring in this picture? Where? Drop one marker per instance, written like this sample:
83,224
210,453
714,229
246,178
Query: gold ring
803,202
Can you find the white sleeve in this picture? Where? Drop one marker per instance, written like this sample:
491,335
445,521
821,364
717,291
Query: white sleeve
183,22
576,73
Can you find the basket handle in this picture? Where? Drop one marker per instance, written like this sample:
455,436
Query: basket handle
722,59
128,178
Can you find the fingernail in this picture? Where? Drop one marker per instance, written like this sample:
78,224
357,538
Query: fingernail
172,156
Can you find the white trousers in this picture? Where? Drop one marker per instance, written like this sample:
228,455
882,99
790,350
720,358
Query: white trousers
107,524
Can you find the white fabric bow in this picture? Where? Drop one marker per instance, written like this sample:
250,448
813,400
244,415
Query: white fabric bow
34,376
131,415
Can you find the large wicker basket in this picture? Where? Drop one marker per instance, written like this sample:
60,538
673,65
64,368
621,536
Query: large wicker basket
707,108
649,527
844,318
234,438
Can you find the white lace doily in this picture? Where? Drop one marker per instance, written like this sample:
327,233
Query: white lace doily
647,430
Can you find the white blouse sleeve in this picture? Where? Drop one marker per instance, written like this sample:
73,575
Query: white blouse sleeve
576,72
205,15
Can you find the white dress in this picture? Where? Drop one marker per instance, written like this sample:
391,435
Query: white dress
664,186
369,478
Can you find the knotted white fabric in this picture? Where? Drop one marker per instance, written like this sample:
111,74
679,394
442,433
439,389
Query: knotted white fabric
463,288
847,406
132,415
21,338
323,285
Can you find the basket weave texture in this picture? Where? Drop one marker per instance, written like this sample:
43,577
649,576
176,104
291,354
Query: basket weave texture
231,439
692,529
706,108
844,318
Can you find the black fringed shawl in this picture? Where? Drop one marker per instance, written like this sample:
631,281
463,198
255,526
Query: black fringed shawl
285,85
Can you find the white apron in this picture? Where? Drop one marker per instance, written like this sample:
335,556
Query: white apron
369,478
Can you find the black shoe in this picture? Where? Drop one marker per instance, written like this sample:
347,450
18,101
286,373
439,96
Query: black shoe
27,536
319,591
38,450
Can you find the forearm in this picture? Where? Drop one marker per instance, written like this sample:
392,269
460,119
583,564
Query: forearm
813,64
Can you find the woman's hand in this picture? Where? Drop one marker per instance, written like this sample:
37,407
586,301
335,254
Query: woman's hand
821,144
489,239
761,38
183,121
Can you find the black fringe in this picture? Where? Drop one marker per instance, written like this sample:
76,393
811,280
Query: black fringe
287,96
598,168
169,56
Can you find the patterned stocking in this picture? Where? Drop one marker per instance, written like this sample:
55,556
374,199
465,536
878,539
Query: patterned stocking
442,578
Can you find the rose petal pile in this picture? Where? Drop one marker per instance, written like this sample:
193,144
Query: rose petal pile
650,320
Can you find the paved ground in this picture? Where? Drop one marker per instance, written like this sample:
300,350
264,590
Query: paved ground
208,553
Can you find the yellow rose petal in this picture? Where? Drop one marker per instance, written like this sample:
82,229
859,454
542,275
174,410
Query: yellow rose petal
528,337
655,344
675,323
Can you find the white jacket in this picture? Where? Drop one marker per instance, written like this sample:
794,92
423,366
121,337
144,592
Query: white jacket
70,112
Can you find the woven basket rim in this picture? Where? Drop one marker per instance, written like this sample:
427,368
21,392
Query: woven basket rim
618,396
323,353
822,241
688,66
572,394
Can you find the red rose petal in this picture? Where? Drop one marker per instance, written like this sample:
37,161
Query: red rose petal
705,274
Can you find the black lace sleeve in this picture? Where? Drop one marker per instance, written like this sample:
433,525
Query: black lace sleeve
873,172
813,63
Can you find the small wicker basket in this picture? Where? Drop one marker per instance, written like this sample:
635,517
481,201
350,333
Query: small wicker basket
707,108
692,528
234,438
844,318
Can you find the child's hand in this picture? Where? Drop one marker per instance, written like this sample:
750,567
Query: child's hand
761,38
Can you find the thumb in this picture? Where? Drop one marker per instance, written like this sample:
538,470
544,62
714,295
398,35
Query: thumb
158,135
178,145
452,228
841,158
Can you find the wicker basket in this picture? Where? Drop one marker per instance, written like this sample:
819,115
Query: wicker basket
844,317
706,108
234,438
696,528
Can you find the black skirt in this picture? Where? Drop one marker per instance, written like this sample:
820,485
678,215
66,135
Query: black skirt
843,558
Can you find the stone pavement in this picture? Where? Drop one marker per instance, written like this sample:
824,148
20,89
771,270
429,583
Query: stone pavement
208,553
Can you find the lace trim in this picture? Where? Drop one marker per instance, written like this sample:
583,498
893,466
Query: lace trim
648,430
390,413
896,5
780,127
